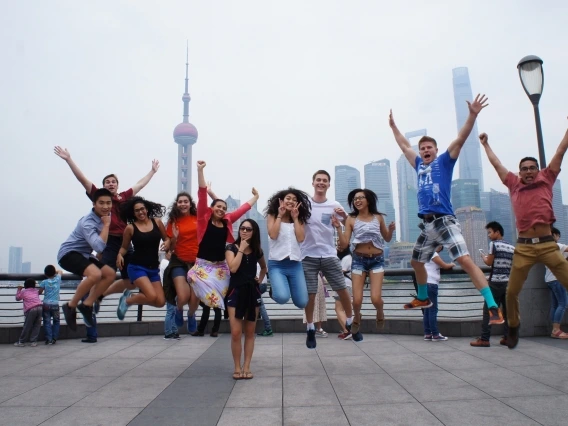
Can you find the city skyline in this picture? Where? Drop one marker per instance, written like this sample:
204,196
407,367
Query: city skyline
378,178
346,179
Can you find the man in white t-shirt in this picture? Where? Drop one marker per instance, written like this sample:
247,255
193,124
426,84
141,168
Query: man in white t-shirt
319,253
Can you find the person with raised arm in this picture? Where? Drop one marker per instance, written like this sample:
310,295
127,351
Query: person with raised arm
114,242
209,277
531,196
369,230
439,225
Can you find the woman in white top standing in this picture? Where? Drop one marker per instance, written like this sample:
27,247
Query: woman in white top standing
286,213
369,231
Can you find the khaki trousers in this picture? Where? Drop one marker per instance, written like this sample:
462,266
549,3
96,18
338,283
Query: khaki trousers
526,255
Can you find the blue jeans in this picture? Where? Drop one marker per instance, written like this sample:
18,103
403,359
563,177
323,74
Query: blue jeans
263,313
49,313
169,321
92,331
558,301
287,279
431,314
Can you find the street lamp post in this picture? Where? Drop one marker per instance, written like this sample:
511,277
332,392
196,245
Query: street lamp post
532,79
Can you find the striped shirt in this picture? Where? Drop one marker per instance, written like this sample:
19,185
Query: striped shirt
502,261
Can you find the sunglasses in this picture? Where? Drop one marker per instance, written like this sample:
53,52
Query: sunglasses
246,228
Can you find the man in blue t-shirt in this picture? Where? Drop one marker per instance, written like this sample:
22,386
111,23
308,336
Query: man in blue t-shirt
439,225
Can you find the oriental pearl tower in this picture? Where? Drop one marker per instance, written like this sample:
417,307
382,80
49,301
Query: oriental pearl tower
185,135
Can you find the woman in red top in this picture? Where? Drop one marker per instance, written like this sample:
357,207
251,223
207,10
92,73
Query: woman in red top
209,277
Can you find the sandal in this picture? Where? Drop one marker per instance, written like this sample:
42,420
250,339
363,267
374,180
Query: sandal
237,375
559,335
247,375
380,318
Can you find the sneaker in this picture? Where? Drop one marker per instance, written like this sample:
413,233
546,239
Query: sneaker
358,337
122,306
191,323
321,333
495,316
311,339
170,336
478,343
513,337
178,318
87,340
176,336
428,337
87,312
418,304
439,338
197,333
503,341
53,341
33,344
48,342
19,344
344,336
70,315
266,333
97,305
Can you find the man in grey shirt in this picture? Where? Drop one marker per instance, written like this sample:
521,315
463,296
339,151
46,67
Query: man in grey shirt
91,233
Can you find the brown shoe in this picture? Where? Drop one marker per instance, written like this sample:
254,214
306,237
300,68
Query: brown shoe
197,333
214,334
513,337
478,343
495,316
503,341
418,304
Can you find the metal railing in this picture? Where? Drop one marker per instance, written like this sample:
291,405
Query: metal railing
457,299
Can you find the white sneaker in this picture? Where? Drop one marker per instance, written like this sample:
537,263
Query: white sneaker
19,344
439,338
321,333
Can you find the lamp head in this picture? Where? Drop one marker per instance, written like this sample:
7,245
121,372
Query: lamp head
532,77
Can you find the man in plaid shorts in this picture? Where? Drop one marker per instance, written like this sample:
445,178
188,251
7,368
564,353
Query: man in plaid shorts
439,225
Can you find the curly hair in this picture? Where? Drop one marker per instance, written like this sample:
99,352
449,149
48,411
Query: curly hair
305,209
175,213
372,201
127,209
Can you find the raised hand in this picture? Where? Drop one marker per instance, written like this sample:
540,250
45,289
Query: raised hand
201,165
254,192
339,211
335,222
392,226
483,138
62,153
391,120
281,208
295,213
478,104
155,165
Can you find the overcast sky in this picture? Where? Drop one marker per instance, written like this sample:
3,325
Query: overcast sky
279,90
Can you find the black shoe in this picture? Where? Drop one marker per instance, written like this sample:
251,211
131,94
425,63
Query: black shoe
197,333
170,336
311,339
89,340
48,342
53,341
357,337
87,312
97,305
70,315
214,334
176,336
513,337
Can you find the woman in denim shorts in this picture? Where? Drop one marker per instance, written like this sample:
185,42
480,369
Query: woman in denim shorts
367,226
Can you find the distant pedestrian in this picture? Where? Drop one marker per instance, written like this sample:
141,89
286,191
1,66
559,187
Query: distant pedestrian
91,331
558,296
29,294
345,258
205,312
50,287
320,308
170,327
267,332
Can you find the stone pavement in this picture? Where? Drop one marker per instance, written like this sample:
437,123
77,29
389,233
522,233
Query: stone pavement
384,380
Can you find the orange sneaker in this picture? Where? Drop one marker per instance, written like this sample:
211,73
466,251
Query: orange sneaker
495,316
418,304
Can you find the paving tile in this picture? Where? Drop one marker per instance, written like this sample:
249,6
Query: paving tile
504,357
131,392
181,351
12,386
58,367
546,353
339,348
368,389
258,392
13,365
206,391
303,366
31,416
550,375
411,413
383,348
295,350
161,367
251,417
499,383
419,346
139,351
315,416
268,351
547,410
108,367
302,391
453,361
266,367
352,364
394,363
93,416
437,386
152,416
63,391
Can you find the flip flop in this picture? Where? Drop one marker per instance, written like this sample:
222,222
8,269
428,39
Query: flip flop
559,335
247,375
237,375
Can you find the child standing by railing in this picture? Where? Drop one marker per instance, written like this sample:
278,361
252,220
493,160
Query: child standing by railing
51,288
32,312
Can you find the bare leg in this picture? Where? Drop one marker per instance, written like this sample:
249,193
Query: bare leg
92,276
476,275
182,291
345,298
193,301
119,286
420,271
236,333
376,295
249,327
358,281
341,317
151,293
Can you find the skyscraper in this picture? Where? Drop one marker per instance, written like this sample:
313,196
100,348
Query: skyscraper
347,178
500,211
470,156
378,180
465,192
15,255
558,208
27,268
185,135
472,221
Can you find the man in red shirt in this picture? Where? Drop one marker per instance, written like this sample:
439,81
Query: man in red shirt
531,196
117,226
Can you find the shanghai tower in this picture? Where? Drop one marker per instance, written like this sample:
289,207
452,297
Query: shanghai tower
470,156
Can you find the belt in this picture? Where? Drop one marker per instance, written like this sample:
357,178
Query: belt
431,217
536,240
368,255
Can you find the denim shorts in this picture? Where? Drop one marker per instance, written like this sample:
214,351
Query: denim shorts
137,271
178,271
360,264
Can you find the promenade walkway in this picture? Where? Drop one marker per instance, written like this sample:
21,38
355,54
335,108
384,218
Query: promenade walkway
384,380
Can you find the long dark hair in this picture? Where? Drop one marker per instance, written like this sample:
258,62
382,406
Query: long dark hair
175,213
254,240
371,198
127,209
305,210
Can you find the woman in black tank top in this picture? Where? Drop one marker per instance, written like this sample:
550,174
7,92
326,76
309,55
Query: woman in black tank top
145,233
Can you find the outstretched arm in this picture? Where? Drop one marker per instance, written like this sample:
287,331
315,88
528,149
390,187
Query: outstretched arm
438,261
556,161
200,176
144,181
402,142
65,155
210,192
500,168
475,108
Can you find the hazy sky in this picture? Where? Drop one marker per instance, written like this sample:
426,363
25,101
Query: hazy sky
279,90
